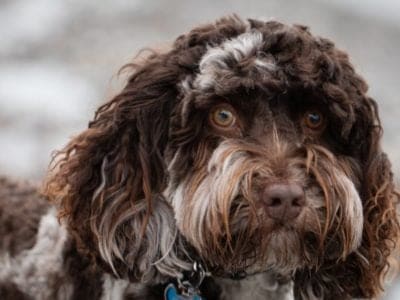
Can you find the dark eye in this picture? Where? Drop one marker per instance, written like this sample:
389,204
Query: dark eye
314,119
223,117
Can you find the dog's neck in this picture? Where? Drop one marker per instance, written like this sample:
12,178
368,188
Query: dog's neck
258,286
217,284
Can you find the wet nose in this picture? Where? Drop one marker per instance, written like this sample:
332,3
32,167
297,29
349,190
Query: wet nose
283,201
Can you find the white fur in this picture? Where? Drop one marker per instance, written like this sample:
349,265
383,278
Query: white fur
209,196
35,269
239,48
113,289
177,200
257,287
353,210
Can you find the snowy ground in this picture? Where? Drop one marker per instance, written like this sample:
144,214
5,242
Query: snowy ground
59,59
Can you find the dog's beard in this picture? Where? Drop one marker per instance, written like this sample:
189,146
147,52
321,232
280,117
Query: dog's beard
217,209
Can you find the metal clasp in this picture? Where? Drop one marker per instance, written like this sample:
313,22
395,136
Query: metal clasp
190,286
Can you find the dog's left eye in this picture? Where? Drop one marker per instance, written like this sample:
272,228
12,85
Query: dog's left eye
314,119
222,117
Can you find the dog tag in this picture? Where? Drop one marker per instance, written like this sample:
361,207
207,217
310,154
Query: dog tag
171,293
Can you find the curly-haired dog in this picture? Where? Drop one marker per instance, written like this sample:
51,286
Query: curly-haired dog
244,163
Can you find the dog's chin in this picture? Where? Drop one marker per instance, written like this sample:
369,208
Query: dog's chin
279,251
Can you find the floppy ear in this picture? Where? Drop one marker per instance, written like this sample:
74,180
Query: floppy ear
362,273
380,200
107,180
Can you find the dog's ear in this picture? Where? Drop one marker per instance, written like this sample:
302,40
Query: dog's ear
107,179
380,200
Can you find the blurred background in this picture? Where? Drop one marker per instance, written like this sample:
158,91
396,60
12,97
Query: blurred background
59,60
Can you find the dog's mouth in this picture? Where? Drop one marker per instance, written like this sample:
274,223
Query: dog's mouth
258,243
276,246
252,242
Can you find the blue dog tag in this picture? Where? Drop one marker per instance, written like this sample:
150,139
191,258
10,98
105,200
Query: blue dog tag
171,293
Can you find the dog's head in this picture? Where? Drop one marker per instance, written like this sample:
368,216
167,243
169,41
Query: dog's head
250,146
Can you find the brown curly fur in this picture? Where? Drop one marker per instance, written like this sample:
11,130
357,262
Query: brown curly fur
20,195
140,129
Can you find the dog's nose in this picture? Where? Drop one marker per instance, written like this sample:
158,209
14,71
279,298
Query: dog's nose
283,201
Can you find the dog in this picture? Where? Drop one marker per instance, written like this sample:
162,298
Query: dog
242,163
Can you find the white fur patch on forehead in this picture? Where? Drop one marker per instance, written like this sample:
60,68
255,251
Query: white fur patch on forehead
216,63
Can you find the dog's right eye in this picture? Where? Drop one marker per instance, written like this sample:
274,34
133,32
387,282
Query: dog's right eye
223,116
314,120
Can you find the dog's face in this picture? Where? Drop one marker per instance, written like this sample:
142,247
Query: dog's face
264,184
261,179
248,146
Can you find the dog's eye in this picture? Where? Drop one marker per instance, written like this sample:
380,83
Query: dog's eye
314,119
222,117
